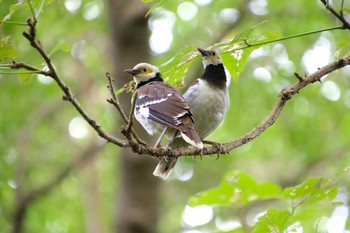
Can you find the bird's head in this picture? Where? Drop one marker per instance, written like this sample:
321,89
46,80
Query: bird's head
143,72
210,57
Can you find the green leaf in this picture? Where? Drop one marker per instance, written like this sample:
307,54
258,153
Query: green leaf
18,6
313,189
175,69
6,50
235,61
160,2
237,189
274,221
24,76
64,46
236,52
264,37
346,10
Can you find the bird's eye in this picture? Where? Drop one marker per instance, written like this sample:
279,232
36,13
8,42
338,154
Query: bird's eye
213,54
144,70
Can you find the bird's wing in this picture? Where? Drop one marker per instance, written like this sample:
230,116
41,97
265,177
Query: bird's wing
165,104
162,103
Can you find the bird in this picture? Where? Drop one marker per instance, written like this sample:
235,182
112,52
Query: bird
160,107
209,100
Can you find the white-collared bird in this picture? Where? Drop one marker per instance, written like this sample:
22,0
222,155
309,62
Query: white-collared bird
209,100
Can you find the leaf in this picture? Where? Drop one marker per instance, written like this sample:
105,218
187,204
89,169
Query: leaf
342,48
237,189
18,6
236,52
128,87
160,2
175,69
6,50
346,10
64,46
24,76
264,37
313,189
274,221
38,5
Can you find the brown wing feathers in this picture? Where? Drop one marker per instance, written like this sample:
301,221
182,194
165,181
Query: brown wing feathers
167,106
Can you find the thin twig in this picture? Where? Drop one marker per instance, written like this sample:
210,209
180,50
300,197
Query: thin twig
19,65
115,102
340,16
298,76
114,99
68,96
14,23
249,45
32,10
131,114
284,95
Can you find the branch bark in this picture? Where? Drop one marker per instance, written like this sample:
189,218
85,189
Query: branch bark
284,95
132,141
142,149
339,16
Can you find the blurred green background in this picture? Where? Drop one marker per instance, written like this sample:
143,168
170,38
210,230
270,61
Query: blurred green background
42,136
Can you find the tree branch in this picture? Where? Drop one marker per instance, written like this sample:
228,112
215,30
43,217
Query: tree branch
115,102
131,114
340,16
284,95
132,140
68,96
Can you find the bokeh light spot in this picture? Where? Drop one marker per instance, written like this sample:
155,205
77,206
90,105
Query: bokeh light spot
229,15
196,216
78,128
72,5
330,91
202,2
258,7
187,11
92,10
262,74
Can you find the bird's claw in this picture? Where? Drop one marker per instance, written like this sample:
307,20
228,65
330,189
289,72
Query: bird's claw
200,154
221,149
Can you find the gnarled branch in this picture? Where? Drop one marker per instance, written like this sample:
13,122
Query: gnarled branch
136,144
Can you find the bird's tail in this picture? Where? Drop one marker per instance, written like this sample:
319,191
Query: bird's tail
189,133
164,167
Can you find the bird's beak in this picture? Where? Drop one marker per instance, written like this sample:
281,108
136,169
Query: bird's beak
203,52
132,71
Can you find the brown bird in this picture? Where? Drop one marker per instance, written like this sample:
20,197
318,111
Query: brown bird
160,108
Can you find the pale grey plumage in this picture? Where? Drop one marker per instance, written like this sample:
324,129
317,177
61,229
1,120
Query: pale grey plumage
209,100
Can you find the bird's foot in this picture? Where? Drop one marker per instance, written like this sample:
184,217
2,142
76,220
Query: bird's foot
218,146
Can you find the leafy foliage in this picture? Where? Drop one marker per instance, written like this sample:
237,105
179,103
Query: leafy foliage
239,191
311,138
234,53
7,51
273,221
